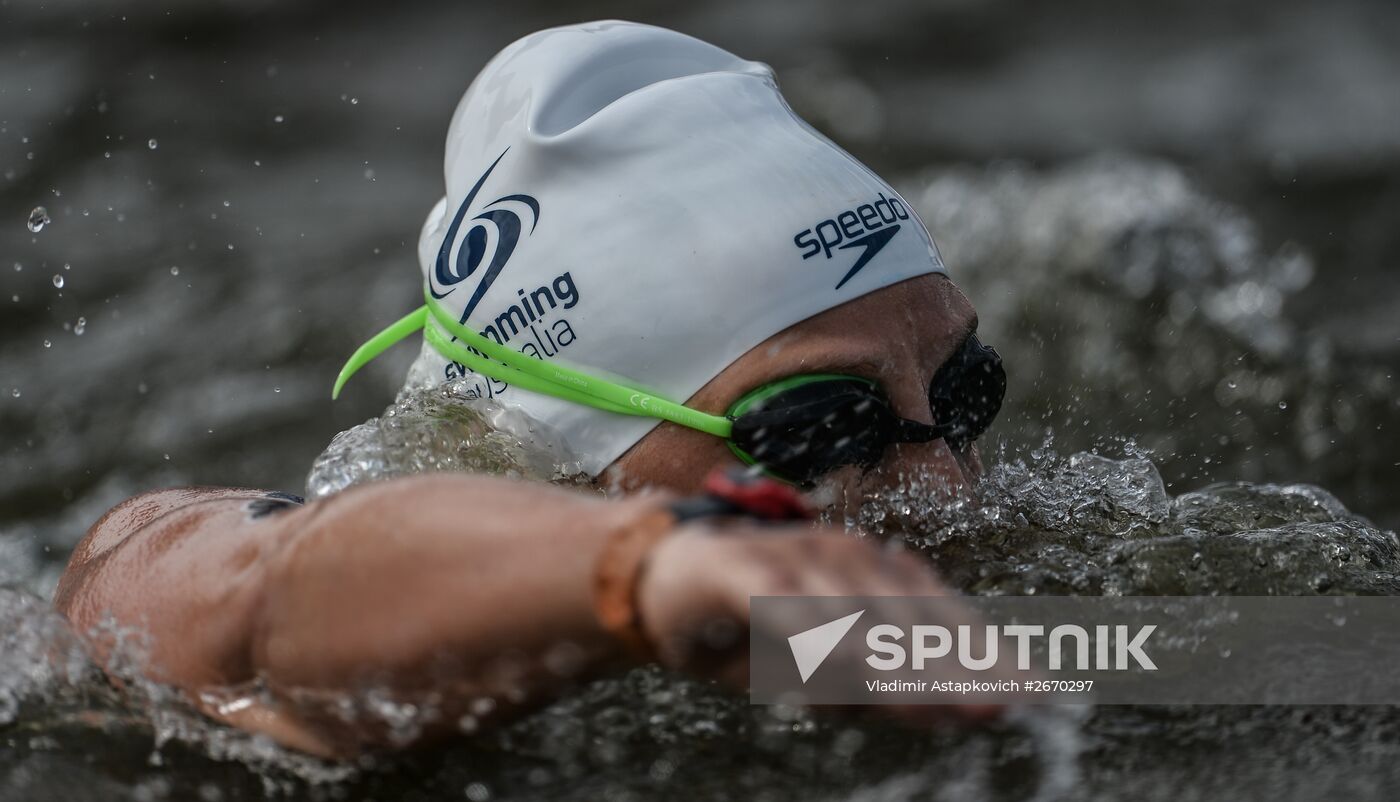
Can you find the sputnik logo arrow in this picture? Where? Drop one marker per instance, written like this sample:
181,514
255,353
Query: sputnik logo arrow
810,648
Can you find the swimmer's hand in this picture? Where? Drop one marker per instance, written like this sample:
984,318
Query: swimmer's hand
693,597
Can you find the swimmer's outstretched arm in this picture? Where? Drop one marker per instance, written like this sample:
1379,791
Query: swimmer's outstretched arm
470,596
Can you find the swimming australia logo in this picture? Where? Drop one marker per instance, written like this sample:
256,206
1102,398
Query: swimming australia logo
478,243
869,227
485,245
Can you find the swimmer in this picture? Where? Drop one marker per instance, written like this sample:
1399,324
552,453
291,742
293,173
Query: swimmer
646,253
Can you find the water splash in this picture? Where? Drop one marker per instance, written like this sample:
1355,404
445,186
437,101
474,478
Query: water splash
38,218
54,695
1041,523
1126,299
1088,524
442,428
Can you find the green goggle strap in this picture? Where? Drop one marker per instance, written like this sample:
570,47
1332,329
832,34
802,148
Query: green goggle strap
525,381
416,321
529,373
378,344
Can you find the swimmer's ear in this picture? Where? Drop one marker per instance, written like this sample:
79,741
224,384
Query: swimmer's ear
378,344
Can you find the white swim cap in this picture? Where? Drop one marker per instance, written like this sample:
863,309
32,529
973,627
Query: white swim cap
644,206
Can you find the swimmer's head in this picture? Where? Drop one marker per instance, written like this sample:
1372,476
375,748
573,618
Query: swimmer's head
639,204
635,218
915,341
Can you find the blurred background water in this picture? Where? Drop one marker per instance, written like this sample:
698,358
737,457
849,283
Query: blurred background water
1177,220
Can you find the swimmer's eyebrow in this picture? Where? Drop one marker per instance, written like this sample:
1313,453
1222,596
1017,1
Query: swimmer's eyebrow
968,329
873,365
866,366
968,332
959,342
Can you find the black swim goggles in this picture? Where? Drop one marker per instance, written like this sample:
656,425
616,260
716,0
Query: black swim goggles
796,429
802,427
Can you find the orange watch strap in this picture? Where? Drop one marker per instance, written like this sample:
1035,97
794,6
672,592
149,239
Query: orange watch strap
617,574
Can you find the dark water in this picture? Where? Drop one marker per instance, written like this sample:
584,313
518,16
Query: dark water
1177,223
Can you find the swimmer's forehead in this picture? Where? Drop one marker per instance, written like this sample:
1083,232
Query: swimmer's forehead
918,324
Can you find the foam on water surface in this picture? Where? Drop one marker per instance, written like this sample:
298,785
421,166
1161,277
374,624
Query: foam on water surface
1040,524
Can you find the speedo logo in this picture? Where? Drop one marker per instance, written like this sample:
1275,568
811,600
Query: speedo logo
869,227
485,245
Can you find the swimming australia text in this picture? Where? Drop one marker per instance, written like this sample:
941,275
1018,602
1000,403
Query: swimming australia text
533,325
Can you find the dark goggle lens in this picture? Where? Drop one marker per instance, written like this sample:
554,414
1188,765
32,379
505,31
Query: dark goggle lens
967,392
801,433
807,430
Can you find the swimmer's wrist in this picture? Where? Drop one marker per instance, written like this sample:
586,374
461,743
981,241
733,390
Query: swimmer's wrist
620,570
618,573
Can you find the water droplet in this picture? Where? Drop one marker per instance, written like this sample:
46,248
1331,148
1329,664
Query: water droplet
18,267
15,392
38,219
174,270
48,344
151,143
279,118
80,327
1283,405
354,101
277,389
58,281
225,204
